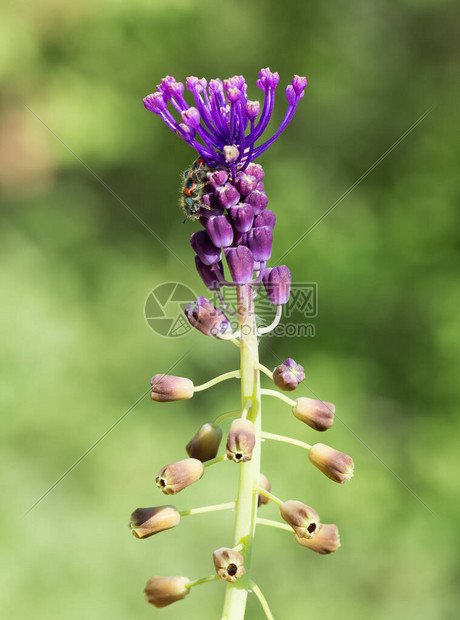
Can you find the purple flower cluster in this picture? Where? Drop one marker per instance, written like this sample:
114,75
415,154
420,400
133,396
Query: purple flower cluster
222,125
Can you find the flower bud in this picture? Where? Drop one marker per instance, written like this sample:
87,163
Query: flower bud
241,264
220,231
176,476
231,153
266,218
217,178
162,591
316,413
258,201
229,564
299,84
288,375
204,247
290,95
303,519
277,283
241,441
242,217
252,109
245,183
263,483
260,242
209,320
228,195
155,103
205,444
145,522
167,388
327,540
191,117
336,465
255,170
208,273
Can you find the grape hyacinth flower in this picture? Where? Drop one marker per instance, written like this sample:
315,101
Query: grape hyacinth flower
224,192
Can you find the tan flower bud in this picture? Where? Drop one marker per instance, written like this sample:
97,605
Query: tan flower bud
327,540
241,441
162,591
145,522
166,388
336,465
176,476
205,444
229,564
316,413
264,483
303,519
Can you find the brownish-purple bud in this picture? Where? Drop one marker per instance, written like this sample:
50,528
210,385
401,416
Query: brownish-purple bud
316,413
145,522
205,444
327,540
166,388
264,484
303,519
288,375
241,441
176,476
336,465
162,591
229,564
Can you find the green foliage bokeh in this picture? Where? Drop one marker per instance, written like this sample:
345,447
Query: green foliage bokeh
76,267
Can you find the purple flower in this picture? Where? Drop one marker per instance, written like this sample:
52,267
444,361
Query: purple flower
241,264
288,375
208,319
260,241
204,248
221,125
277,282
220,231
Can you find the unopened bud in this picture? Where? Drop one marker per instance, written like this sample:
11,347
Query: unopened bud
176,476
145,522
167,388
264,484
162,591
205,444
288,375
241,441
208,319
316,413
229,564
277,283
231,153
327,540
336,465
303,519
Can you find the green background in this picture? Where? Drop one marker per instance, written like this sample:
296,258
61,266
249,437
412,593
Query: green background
76,267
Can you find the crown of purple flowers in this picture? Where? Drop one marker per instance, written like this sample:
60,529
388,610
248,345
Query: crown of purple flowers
222,125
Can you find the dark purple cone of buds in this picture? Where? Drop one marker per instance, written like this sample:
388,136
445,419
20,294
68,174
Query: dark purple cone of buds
226,128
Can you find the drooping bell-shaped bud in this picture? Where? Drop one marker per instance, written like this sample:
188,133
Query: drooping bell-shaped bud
162,591
242,217
241,264
220,231
205,248
327,540
303,519
208,319
263,483
316,413
229,564
205,444
145,522
228,195
277,283
241,441
260,242
288,375
255,170
258,201
168,388
176,476
245,183
208,273
336,465
266,218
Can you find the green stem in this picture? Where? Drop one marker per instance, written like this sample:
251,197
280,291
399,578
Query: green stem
286,399
266,493
277,524
202,509
294,442
218,459
265,370
198,582
233,374
246,502
262,600
224,416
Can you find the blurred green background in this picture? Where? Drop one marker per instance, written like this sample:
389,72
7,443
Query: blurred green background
76,267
